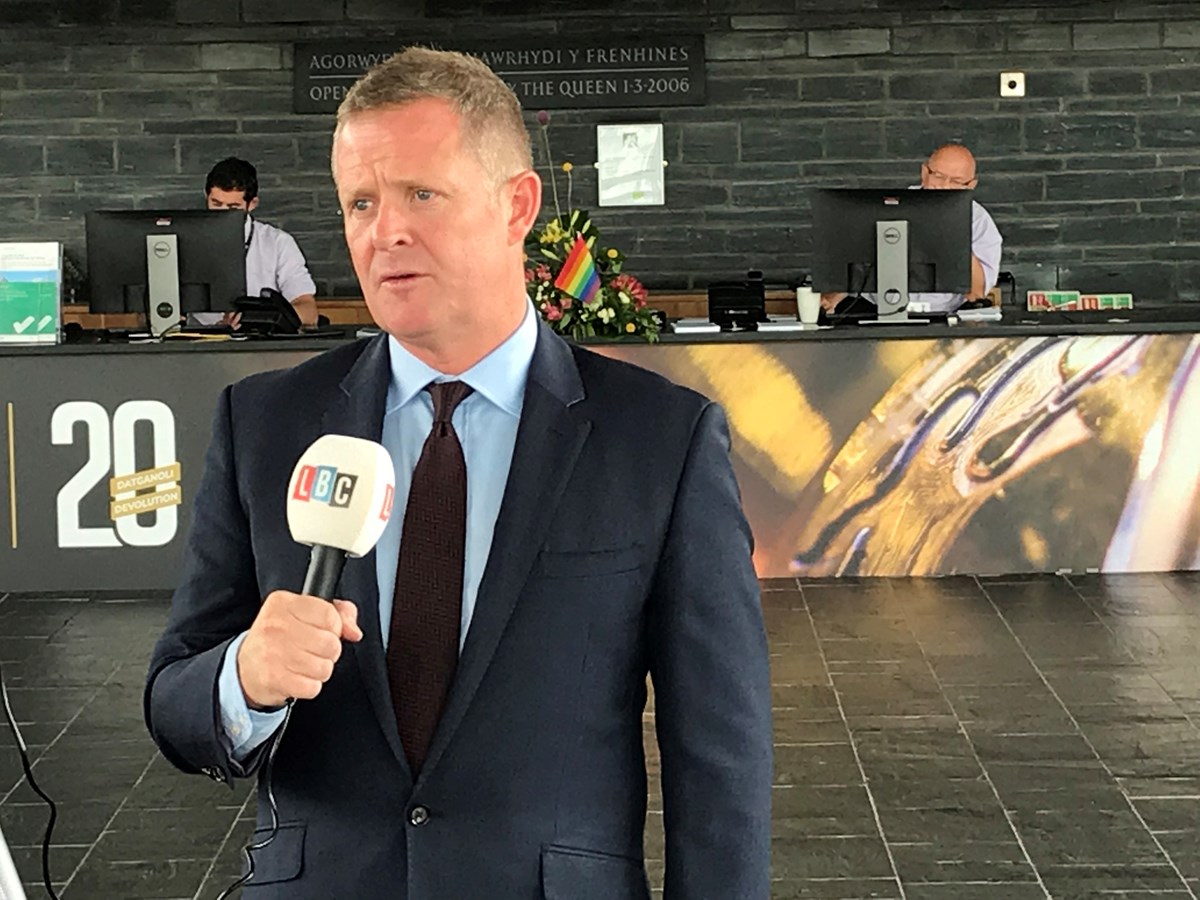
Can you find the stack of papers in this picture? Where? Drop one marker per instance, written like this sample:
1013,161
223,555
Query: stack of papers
695,326
785,324
985,314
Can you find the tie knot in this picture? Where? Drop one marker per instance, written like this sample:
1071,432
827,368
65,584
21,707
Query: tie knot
446,397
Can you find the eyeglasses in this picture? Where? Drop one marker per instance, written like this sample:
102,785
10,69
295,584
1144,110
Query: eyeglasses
943,178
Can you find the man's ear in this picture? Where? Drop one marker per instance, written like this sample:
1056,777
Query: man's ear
252,205
524,193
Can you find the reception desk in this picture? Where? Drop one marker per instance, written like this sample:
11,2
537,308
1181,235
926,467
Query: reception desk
353,311
885,451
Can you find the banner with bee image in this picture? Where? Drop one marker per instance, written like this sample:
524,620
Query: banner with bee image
981,455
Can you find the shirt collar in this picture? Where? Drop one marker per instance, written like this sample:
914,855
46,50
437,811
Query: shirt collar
500,376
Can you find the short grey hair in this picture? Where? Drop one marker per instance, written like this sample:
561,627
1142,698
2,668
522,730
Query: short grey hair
492,127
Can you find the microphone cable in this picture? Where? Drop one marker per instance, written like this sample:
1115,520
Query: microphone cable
268,768
23,750
324,569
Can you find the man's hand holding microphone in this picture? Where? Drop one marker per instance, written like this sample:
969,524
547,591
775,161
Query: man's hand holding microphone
339,500
292,646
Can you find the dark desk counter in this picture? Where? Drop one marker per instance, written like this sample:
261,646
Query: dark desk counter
1165,321
95,346
868,450
1173,319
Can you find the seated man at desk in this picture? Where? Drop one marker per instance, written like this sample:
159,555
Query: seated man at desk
951,167
273,259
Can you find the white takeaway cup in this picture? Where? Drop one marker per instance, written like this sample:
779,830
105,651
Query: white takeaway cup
808,305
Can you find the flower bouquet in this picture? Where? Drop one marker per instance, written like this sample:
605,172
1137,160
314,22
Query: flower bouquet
576,283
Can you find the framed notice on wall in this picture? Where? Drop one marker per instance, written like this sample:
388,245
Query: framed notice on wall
608,71
30,290
630,163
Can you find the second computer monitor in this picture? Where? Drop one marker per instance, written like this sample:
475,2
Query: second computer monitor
855,230
165,263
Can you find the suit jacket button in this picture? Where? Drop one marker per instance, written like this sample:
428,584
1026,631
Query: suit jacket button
418,816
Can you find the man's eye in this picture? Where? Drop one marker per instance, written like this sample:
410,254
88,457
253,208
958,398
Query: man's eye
423,195
360,205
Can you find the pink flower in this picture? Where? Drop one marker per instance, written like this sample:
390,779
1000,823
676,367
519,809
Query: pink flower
543,272
543,117
635,289
553,313
566,302
528,275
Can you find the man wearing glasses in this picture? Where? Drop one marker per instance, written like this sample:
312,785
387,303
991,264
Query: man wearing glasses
951,167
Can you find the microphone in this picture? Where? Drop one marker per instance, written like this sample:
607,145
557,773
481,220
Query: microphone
339,500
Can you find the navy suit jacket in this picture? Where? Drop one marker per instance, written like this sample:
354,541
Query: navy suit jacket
620,550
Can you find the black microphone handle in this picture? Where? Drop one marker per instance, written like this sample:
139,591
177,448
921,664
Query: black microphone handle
324,569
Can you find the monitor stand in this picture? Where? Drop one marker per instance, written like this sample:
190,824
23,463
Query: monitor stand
891,266
162,283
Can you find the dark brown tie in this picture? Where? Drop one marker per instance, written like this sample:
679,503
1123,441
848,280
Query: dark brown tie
427,605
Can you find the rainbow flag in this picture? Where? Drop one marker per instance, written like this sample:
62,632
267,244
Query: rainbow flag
579,277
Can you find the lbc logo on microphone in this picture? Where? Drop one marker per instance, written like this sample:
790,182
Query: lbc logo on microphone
324,484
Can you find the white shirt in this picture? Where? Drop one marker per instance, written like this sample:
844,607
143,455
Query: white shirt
274,260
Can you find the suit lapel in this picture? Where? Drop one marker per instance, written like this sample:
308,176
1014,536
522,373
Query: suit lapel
358,411
549,439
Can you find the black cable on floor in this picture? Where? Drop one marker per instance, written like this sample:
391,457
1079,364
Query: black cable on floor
267,772
23,750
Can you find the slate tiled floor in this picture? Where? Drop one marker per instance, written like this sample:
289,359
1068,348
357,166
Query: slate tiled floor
956,739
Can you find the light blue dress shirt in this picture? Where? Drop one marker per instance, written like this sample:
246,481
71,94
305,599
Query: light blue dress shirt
486,424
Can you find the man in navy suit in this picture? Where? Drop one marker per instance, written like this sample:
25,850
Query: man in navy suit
604,542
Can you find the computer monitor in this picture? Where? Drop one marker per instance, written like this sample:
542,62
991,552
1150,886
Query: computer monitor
890,243
165,263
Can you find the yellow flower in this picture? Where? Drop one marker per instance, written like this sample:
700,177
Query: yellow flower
567,167
630,327
552,233
612,253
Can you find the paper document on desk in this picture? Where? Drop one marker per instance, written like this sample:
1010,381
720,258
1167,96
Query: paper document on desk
784,324
695,326
983,314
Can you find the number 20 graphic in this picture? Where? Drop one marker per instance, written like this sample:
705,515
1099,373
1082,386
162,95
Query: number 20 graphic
111,447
